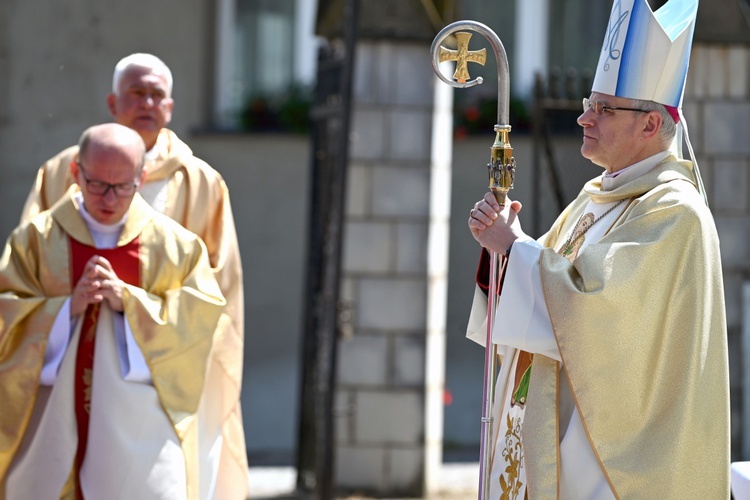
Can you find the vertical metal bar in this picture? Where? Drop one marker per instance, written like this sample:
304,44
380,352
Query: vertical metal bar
488,391
536,168
328,75
326,379
331,116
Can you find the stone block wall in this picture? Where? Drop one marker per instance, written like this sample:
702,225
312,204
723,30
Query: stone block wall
717,109
386,436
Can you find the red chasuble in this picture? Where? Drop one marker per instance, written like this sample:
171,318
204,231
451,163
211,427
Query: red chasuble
126,264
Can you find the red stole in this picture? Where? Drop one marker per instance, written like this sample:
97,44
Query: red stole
126,264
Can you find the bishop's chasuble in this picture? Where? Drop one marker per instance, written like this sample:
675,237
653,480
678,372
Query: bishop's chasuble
611,330
84,425
189,191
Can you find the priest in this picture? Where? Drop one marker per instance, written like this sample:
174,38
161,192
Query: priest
109,311
611,327
188,190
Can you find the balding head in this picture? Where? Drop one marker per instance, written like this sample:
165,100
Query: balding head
113,139
109,169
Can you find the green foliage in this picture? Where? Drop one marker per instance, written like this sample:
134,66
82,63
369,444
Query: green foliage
287,111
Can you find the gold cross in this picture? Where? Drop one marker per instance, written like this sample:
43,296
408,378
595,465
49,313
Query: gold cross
462,56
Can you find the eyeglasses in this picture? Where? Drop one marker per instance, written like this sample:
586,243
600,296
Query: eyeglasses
598,107
101,188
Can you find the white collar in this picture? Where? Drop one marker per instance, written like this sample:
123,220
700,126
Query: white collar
94,225
151,154
614,180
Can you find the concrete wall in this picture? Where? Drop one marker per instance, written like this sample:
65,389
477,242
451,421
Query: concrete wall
717,107
267,178
56,63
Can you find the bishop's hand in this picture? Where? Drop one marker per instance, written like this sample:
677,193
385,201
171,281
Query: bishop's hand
495,227
98,282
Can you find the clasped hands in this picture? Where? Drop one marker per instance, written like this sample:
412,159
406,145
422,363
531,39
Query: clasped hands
495,227
98,282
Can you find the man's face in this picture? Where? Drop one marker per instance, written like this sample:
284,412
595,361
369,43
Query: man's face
108,181
142,102
611,139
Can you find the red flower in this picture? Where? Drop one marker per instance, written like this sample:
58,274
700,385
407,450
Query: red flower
472,114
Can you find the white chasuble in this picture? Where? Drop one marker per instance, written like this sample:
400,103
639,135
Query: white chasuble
118,465
116,462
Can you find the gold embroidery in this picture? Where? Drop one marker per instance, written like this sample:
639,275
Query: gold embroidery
93,314
575,240
513,455
87,378
574,243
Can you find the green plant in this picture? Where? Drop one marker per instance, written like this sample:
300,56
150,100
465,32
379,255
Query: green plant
288,111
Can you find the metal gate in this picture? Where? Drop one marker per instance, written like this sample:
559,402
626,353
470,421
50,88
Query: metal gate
559,170
330,117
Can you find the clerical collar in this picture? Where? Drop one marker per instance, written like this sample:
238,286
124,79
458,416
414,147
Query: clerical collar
611,181
96,226
152,153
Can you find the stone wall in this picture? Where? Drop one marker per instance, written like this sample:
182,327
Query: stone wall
717,109
384,388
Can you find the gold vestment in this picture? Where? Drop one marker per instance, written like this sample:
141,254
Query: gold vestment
198,199
640,323
173,315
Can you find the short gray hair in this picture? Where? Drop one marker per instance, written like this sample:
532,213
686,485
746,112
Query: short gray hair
668,126
142,60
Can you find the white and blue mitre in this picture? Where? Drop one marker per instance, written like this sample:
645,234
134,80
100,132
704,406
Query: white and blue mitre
645,54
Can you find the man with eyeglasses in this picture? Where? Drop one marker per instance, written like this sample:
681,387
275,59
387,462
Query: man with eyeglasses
611,326
109,309
189,191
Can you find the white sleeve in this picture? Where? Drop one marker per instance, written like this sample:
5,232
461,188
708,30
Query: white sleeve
57,344
522,320
476,330
133,367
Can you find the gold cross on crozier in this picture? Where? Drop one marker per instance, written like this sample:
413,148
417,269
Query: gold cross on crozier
462,55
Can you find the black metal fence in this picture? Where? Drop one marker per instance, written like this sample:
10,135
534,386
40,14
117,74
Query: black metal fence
559,170
330,118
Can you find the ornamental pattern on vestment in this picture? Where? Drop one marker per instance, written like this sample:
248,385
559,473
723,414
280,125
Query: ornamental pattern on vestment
512,477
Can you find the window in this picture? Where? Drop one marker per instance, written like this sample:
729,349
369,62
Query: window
266,49
577,33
